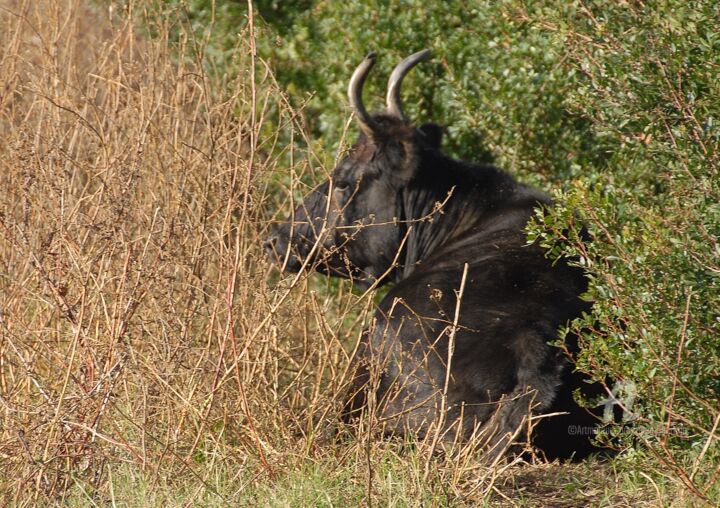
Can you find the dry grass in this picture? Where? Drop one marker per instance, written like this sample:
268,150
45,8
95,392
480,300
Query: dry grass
137,327
144,357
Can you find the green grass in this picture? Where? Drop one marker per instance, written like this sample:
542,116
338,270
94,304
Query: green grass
397,481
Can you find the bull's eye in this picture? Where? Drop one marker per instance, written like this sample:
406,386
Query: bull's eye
342,186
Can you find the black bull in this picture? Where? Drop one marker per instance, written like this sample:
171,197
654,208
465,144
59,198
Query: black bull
460,342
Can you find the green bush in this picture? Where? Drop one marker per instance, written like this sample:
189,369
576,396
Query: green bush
649,90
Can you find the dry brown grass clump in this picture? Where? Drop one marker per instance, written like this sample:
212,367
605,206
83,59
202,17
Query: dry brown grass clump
136,324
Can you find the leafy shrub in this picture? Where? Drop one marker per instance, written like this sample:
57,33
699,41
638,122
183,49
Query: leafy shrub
650,93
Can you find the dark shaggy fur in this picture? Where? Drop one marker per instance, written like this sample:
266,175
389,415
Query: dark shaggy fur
398,210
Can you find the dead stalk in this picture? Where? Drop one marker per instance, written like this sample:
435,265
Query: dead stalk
440,427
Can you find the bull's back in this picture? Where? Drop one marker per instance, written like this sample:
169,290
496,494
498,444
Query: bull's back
512,303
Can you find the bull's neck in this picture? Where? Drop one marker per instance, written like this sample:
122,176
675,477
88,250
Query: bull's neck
439,216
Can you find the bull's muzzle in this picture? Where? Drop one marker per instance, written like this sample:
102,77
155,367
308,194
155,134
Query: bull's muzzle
279,251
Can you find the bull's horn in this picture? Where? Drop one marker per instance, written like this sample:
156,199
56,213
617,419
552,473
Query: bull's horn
394,104
367,124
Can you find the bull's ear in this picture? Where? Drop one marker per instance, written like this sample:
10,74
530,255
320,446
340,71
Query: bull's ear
432,134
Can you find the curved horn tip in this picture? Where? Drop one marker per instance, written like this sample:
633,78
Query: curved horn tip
367,124
424,54
394,104
371,56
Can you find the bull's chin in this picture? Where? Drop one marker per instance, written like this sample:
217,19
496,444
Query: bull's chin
362,279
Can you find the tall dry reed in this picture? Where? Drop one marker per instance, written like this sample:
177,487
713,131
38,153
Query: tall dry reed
137,325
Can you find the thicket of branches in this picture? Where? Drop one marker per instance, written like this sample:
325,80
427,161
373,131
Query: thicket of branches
136,330
145,148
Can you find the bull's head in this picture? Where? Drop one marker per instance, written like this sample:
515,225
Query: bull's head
353,225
